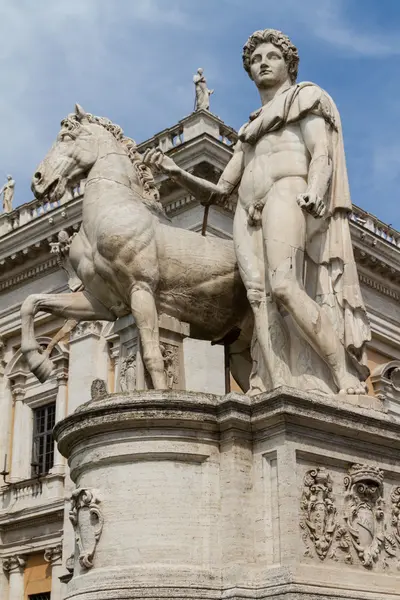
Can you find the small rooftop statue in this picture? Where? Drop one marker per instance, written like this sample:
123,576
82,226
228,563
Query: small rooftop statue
8,194
202,92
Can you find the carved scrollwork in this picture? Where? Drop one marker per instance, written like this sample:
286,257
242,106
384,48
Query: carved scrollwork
364,512
15,563
53,555
319,512
87,521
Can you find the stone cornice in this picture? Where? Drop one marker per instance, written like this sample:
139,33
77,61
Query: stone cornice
377,285
43,227
50,264
38,544
52,511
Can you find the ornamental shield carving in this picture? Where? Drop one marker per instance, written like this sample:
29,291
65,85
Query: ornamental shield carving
87,521
364,512
319,520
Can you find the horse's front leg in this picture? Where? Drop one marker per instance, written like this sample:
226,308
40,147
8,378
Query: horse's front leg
144,312
78,305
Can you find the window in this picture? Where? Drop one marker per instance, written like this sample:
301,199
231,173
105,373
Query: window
42,596
43,443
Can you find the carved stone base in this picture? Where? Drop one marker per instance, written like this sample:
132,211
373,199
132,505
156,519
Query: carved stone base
285,496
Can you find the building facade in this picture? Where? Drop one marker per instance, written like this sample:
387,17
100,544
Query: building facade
36,538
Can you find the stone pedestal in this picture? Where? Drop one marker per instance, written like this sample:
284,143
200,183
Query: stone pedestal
285,496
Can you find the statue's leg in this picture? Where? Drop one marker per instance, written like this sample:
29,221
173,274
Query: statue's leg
268,324
144,312
80,306
284,227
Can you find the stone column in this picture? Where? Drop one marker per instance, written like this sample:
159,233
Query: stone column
6,403
3,584
53,556
14,566
22,432
61,413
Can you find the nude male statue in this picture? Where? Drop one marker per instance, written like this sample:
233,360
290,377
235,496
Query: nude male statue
8,194
293,202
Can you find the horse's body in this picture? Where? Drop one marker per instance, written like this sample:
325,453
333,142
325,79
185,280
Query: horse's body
129,259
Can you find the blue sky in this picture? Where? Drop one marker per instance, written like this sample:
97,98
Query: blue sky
133,61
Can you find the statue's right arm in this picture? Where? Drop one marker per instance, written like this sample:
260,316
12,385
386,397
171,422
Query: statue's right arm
206,191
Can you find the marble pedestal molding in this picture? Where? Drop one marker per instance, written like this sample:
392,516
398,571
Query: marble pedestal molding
285,496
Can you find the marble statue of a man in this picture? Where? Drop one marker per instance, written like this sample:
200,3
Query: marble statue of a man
202,92
291,230
8,194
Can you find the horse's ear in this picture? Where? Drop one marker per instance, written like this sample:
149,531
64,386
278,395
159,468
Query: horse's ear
80,113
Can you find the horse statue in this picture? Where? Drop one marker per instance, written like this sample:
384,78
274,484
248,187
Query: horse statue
128,258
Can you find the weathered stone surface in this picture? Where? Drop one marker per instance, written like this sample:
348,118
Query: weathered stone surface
289,171
205,496
166,270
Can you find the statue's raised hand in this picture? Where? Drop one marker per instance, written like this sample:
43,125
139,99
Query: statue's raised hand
312,204
156,159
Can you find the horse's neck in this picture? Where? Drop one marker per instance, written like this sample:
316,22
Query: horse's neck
111,175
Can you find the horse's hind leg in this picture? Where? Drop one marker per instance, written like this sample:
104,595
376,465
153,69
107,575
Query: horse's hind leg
144,312
78,305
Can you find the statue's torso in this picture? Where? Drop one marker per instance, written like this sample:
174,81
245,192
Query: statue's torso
276,155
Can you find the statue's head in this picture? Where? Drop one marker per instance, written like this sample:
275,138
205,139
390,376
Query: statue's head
200,71
9,177
269,57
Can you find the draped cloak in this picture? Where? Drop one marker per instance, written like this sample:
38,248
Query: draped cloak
328,245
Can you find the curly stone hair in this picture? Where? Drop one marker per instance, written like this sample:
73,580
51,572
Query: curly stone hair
278,39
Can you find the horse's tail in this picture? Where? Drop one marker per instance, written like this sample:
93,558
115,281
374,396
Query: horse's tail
68,326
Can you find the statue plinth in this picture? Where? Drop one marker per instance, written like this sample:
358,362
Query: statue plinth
186,495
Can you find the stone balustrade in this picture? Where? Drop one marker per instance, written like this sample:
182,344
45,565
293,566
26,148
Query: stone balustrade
374,225
33,210
30,493
197,123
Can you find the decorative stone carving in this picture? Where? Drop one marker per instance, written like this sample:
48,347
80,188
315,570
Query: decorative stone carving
86,328
364,512
127,378
8,194
87,521
14,563
385,380
395,498
53,555
319,520
170,354
203,94
98,389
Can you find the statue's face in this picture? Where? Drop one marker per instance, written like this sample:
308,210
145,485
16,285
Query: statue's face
268,67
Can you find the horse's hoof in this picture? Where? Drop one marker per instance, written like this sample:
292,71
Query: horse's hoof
44,370
40,365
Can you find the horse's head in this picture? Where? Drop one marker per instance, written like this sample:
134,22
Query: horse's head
70,158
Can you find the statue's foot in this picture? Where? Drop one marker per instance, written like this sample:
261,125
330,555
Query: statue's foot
40,365
351,385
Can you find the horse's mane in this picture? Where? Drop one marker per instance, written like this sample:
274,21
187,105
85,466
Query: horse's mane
151,195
